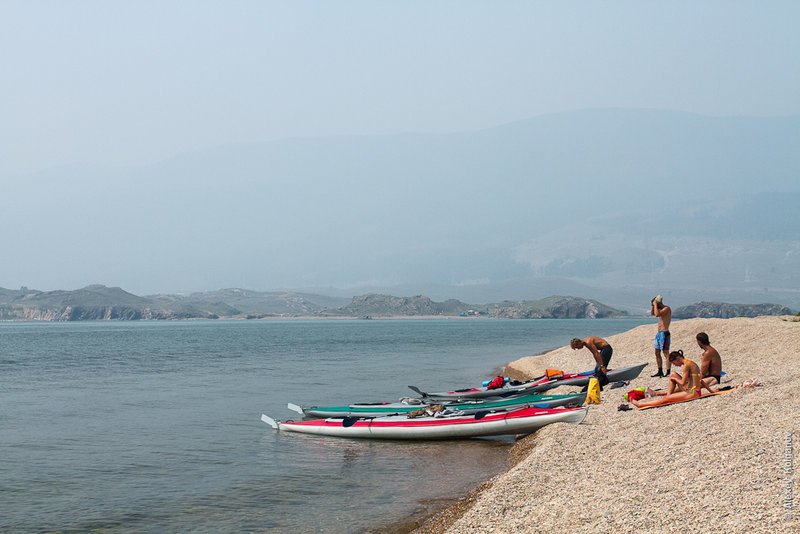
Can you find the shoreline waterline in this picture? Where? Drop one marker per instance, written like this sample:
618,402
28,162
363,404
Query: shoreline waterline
440,520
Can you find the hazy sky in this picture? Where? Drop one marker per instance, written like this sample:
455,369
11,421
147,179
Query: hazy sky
134,82
97,97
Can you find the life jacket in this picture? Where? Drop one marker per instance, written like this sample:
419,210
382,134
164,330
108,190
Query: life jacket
552,374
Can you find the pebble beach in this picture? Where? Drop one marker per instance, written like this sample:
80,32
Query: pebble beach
726,463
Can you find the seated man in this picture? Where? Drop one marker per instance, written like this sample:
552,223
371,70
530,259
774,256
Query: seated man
711,363
680,388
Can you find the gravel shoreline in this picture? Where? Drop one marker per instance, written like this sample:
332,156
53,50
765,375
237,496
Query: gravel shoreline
725,463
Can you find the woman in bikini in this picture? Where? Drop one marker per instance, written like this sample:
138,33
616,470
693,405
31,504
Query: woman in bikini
680,388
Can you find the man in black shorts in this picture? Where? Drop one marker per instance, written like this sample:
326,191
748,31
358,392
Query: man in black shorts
711,363
601,350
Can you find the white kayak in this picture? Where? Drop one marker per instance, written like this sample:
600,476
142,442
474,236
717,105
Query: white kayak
522,421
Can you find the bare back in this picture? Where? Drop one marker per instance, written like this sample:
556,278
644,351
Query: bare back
598,342
711,363
595,345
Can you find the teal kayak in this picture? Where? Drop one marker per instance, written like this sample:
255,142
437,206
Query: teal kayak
467,407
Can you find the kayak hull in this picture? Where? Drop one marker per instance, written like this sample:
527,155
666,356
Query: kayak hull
615,375
467,407
514,422
540,385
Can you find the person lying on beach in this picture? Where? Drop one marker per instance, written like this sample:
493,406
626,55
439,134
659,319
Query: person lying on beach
711,363
684,387
601,350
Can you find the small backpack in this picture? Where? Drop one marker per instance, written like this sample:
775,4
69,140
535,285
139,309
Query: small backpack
497,383
635,394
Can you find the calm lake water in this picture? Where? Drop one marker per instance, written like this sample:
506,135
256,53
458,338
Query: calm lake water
154,426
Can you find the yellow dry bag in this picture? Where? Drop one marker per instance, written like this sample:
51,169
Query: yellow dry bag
593,393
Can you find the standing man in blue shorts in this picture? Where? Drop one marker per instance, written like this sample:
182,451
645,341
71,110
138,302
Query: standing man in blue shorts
664,314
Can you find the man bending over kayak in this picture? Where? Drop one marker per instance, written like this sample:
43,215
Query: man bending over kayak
601,350
680,388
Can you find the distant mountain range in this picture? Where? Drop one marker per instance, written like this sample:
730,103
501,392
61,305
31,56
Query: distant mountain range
724,310
372,305
101,303
616,205
98,302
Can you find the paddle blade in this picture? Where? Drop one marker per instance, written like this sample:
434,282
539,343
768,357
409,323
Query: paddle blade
269,420
416,390
295,408
349,421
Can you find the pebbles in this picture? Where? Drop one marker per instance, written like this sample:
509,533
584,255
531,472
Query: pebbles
725,463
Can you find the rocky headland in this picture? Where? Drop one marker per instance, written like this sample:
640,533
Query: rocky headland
556,307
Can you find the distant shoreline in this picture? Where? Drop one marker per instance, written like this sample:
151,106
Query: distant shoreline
101,303
327,318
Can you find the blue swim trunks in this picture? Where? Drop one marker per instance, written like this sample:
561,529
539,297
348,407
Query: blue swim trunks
662,340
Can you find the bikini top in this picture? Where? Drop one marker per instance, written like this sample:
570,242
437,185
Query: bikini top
692,374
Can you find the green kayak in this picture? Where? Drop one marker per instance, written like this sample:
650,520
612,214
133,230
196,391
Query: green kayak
467,407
